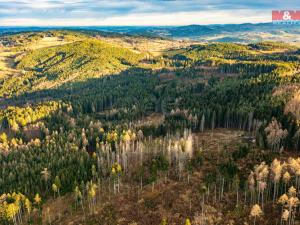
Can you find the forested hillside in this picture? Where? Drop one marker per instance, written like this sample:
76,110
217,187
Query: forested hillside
96,133
53,66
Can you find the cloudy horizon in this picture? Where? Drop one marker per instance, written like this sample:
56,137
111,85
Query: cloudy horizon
137,12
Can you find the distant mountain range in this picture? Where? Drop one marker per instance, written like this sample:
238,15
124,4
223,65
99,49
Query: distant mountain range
218,33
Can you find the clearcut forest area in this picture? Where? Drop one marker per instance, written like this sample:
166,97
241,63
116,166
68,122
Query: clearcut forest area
122,129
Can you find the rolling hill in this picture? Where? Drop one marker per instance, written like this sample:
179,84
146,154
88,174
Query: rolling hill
52,66
242,33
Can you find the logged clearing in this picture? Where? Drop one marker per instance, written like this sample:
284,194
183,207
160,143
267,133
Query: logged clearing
8,55
47,42
153,119
7,63
154,46
167,198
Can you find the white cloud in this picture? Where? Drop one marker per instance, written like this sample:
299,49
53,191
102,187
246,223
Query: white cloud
138,12
180,18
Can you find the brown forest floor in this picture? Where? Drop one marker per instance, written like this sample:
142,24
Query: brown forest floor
171,199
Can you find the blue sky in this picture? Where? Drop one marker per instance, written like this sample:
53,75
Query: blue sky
137,12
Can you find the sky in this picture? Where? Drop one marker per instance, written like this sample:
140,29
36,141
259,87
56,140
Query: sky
138,12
